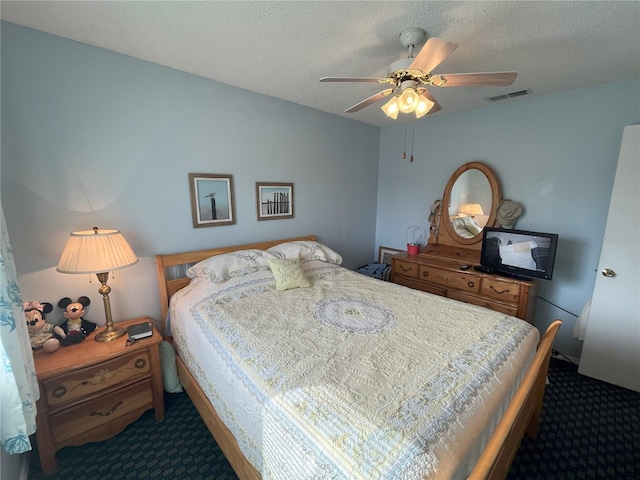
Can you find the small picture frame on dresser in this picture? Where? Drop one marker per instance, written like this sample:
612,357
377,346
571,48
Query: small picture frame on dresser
385,254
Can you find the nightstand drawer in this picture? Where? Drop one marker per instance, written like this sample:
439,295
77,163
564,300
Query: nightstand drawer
89,380
88,415
448,279
501,290
406,269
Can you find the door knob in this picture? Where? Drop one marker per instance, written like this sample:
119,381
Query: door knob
607,272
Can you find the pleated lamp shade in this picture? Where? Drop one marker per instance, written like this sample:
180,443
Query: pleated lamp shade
472,209
96,251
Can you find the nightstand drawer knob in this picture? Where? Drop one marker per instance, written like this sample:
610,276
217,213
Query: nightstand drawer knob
59,392
106,414
425,274
471,284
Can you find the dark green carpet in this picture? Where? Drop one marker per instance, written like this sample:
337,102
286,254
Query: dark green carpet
589,430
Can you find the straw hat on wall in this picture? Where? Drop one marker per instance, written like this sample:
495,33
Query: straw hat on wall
507,212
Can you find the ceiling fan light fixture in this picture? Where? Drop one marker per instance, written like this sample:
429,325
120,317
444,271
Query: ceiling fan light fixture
408,100
437,80
391,108
424,106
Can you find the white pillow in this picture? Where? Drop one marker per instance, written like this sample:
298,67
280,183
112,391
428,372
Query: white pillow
458,225
222,267
473,227
306,250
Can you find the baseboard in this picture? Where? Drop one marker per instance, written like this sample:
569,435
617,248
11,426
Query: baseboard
565,358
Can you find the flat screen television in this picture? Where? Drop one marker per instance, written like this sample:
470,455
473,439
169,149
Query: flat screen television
519,253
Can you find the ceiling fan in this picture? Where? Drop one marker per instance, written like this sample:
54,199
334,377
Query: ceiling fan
410,76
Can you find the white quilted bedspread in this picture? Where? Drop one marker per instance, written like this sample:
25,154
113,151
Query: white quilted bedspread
353,378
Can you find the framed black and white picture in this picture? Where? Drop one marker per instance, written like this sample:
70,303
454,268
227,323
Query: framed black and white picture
274,200
385,254
211,200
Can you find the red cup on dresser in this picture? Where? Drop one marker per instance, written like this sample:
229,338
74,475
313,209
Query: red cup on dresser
413,248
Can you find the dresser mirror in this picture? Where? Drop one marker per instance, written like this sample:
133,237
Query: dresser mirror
443,267
468,205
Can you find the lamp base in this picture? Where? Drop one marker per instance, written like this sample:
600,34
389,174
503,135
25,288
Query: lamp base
110,333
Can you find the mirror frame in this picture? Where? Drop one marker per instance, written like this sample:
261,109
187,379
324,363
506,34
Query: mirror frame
446,200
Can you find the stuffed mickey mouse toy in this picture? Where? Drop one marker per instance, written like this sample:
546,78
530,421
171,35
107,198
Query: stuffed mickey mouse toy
75,327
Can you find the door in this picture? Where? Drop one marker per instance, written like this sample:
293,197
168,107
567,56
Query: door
611,350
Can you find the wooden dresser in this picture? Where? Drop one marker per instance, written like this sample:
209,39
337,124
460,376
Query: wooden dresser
92,390
437,270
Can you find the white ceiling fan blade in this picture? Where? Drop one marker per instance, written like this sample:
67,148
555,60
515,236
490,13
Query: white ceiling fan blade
356,79
368,101
434,51
478,79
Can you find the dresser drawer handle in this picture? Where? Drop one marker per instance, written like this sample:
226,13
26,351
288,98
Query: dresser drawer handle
402,267
471,284
506,290
106,414
425,274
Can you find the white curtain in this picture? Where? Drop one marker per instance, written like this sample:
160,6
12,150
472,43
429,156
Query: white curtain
18,383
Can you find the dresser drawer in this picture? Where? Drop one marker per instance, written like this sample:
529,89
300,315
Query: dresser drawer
450,279
100,410
89,380
501,290
483,302
425,287
406,269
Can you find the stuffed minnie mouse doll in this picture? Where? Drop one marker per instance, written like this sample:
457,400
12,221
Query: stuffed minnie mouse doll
75,327
42,334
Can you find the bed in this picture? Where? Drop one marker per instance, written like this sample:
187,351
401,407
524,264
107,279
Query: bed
346,376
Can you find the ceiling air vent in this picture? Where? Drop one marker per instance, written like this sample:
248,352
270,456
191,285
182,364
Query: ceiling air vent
506,96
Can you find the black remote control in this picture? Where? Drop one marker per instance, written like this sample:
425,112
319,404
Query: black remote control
483,269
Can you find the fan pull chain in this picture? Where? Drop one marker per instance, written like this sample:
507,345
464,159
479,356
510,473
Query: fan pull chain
413,134
404,148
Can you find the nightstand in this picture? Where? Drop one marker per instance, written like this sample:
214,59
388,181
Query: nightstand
91,391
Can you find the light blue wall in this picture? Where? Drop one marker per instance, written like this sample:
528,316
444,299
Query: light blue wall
91,137
555,154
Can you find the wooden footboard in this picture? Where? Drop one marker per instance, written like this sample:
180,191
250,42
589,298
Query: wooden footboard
522,414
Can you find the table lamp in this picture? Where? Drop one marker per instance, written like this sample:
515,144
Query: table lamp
472,209
100,252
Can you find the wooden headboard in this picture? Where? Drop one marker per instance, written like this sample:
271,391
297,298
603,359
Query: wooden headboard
172,268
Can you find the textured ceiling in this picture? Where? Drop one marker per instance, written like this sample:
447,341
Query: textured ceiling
281,49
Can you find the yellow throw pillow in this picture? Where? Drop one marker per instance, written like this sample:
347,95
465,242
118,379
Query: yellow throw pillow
288,274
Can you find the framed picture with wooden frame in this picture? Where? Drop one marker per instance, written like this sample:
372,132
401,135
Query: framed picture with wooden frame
211,200
274,200
385,254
